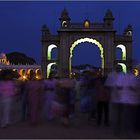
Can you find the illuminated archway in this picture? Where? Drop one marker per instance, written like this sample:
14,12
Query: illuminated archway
22,72
29,71
124,68
123,48
90,40
49,68
38,73
50,47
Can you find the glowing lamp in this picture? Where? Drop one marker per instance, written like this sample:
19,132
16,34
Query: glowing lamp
86,24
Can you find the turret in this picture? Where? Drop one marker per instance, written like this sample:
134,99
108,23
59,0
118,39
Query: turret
64,19
128,30
108,19
45,31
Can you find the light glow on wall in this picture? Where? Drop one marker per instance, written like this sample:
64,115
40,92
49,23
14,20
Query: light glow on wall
123,48
136,72
124,68
49,68
22,72
29,71
86,24
64,24
50,47
82,40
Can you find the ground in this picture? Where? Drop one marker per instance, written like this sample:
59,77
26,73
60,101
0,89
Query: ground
79,128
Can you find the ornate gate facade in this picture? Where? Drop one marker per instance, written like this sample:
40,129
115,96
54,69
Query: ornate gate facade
70,34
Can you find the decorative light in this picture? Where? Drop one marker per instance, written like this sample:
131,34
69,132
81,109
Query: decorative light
50,47
64,23
49,68
124,68
136,72
123,48
86,24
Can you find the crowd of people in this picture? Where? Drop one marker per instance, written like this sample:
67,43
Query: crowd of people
113,101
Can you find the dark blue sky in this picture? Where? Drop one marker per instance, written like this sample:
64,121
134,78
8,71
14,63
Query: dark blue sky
20,23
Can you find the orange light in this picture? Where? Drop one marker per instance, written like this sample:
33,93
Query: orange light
86,24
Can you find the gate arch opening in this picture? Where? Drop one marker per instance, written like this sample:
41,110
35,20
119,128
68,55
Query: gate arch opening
89,40
49,53
124,68
49,68
123,50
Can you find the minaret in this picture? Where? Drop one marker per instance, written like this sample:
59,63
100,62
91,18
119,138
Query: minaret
108,19
128,30
45,32
64,19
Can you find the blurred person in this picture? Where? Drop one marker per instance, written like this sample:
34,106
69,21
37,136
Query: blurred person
114,83
137,117
102,97
49,96
24,100
131,101
7,93
64,87
34,89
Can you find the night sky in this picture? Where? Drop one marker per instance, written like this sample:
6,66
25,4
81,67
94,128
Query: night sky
20,25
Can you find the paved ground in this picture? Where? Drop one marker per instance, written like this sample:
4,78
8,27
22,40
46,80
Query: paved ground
79,128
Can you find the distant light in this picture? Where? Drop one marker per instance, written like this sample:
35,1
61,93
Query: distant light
24,77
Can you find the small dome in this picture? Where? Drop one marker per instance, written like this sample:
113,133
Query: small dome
86,23
129,27
44,27
3,56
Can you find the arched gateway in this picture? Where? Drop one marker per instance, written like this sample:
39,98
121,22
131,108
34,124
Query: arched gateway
103,35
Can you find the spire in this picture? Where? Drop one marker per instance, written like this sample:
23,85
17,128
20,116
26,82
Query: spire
45,28
64,15
108,19
108,15
45,31
129,27
65,19
128,30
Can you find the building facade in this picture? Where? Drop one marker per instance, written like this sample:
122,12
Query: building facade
70,34
23,70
